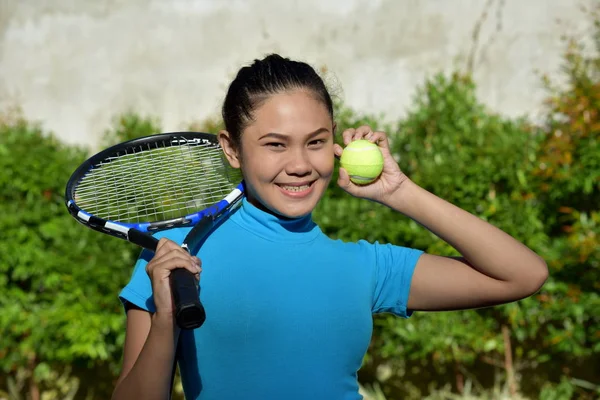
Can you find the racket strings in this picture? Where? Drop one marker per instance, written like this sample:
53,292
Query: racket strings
156,183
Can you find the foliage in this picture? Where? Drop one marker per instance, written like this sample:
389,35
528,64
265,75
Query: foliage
568,171
59,303
568,186
129,126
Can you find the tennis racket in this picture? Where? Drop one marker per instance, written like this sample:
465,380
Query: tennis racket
139,187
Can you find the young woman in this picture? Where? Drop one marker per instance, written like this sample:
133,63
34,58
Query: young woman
289,311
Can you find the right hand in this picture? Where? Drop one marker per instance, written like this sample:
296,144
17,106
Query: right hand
168,256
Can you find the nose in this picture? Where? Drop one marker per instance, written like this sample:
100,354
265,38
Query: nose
299,163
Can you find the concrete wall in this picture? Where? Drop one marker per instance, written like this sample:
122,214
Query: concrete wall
74,65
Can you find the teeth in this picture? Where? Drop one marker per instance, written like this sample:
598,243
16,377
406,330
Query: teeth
295,188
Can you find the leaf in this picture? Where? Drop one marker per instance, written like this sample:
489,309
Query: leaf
490,345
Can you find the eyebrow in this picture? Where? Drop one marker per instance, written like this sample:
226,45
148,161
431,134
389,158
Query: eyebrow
282,136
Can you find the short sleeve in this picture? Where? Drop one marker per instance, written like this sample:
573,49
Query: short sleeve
393,275
139,289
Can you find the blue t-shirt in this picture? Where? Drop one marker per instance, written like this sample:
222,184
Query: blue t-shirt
288,310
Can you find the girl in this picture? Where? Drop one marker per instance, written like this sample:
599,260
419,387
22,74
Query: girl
289,311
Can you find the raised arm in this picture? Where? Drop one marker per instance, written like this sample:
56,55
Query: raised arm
494,267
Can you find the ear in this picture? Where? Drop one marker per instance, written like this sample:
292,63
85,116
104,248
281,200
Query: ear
229,148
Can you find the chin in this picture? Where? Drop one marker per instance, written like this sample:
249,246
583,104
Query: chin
294,212
291,209
290,204
294,206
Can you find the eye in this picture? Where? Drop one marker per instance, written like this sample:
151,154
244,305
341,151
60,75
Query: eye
275,145
317,143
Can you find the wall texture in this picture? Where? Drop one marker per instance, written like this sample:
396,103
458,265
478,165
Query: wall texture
74,65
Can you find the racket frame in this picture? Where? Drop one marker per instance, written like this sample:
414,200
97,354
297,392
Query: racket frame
189,315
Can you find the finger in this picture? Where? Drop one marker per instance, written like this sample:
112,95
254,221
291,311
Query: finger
337,150
380,138
157,260
362,131
165,245
173,263
169,251
161,243
347,135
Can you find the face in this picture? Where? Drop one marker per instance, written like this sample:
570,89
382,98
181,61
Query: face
286,154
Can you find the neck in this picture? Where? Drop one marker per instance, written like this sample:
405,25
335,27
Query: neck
273,226
261,206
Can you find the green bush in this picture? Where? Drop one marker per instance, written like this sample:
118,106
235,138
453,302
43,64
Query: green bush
59,280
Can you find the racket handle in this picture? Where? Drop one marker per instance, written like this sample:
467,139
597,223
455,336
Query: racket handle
142,239
189,312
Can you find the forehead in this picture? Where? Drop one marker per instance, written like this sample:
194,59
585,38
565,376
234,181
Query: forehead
291,112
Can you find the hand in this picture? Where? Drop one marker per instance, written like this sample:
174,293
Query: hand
168,256
391,178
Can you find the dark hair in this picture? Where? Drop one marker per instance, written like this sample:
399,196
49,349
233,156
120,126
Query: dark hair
255,83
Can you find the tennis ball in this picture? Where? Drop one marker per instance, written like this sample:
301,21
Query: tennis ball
363,161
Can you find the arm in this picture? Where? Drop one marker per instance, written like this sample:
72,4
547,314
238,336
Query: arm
149,357
494,269
151,339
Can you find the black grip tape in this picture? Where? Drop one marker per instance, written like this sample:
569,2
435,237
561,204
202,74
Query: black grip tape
189,312
142,239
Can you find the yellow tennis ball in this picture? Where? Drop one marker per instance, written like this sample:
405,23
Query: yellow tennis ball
363,161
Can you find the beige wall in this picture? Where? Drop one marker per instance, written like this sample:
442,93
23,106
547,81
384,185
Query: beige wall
74,65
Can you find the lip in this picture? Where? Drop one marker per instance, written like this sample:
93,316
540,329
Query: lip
297,195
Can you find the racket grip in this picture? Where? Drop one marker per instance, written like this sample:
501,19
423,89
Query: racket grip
142,239
189,312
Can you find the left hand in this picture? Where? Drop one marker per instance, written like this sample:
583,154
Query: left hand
391,178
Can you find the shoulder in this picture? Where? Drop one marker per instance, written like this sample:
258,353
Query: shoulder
362,246
359,252
374,253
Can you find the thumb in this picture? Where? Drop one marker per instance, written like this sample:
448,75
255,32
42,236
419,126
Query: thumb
344,179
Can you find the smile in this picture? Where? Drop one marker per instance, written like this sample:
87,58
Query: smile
301,189
295,188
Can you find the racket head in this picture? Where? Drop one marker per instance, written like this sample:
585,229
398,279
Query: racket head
153,183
